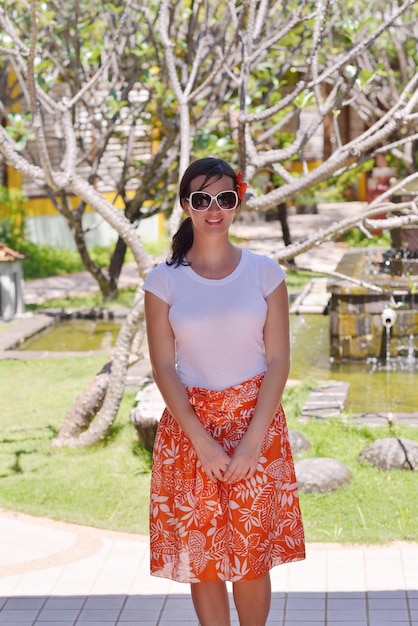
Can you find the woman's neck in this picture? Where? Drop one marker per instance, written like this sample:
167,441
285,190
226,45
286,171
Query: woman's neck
215,261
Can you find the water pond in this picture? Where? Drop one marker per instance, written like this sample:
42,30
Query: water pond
75,335
374,386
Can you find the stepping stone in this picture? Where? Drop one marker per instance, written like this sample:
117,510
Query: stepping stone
326,401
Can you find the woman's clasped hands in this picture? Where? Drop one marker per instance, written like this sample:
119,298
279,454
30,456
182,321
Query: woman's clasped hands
218,465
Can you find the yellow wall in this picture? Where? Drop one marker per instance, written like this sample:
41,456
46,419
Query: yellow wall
14,179
43,207
36,207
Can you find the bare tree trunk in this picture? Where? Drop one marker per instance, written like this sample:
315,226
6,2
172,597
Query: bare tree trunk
92,414
108,289
282,215
84,408
116,262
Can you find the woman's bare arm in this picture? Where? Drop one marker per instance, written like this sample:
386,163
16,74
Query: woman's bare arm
277,345
161,345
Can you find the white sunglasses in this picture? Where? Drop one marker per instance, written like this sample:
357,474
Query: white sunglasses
201,200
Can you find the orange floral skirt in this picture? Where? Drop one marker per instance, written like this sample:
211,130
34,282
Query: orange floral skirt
204,530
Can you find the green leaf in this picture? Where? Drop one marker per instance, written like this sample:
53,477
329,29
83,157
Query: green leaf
303,99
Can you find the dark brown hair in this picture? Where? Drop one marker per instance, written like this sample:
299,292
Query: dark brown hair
210,168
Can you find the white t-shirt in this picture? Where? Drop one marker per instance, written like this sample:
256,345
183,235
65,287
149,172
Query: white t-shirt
218,324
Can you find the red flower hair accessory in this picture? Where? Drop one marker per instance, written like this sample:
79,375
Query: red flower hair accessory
241,187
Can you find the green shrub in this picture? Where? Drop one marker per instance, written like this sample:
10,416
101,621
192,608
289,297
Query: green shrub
43,260
12,217
355,238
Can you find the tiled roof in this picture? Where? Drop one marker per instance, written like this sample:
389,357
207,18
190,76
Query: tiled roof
7,254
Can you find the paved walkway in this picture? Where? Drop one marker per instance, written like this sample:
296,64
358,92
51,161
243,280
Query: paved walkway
40,290
57,574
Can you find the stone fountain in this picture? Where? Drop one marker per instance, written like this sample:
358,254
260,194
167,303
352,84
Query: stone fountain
377,323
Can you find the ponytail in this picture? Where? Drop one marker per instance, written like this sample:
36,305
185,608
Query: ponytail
182,242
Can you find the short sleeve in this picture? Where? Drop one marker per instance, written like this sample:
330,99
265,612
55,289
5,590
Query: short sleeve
157,282
271,275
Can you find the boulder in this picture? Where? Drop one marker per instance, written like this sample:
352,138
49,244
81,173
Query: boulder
146,415
146,427
298,443
391,453
321,475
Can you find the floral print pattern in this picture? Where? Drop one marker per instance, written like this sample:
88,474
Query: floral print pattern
204,530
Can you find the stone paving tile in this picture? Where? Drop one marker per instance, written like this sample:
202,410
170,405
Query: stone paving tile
287,609
339,622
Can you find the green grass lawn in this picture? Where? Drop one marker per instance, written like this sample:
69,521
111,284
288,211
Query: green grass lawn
377,506
107,485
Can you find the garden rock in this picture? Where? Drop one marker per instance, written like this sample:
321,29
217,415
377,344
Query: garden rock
392,453
146,427
146,415
298,443
321,475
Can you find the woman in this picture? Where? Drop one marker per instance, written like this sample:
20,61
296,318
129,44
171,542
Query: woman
224,501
